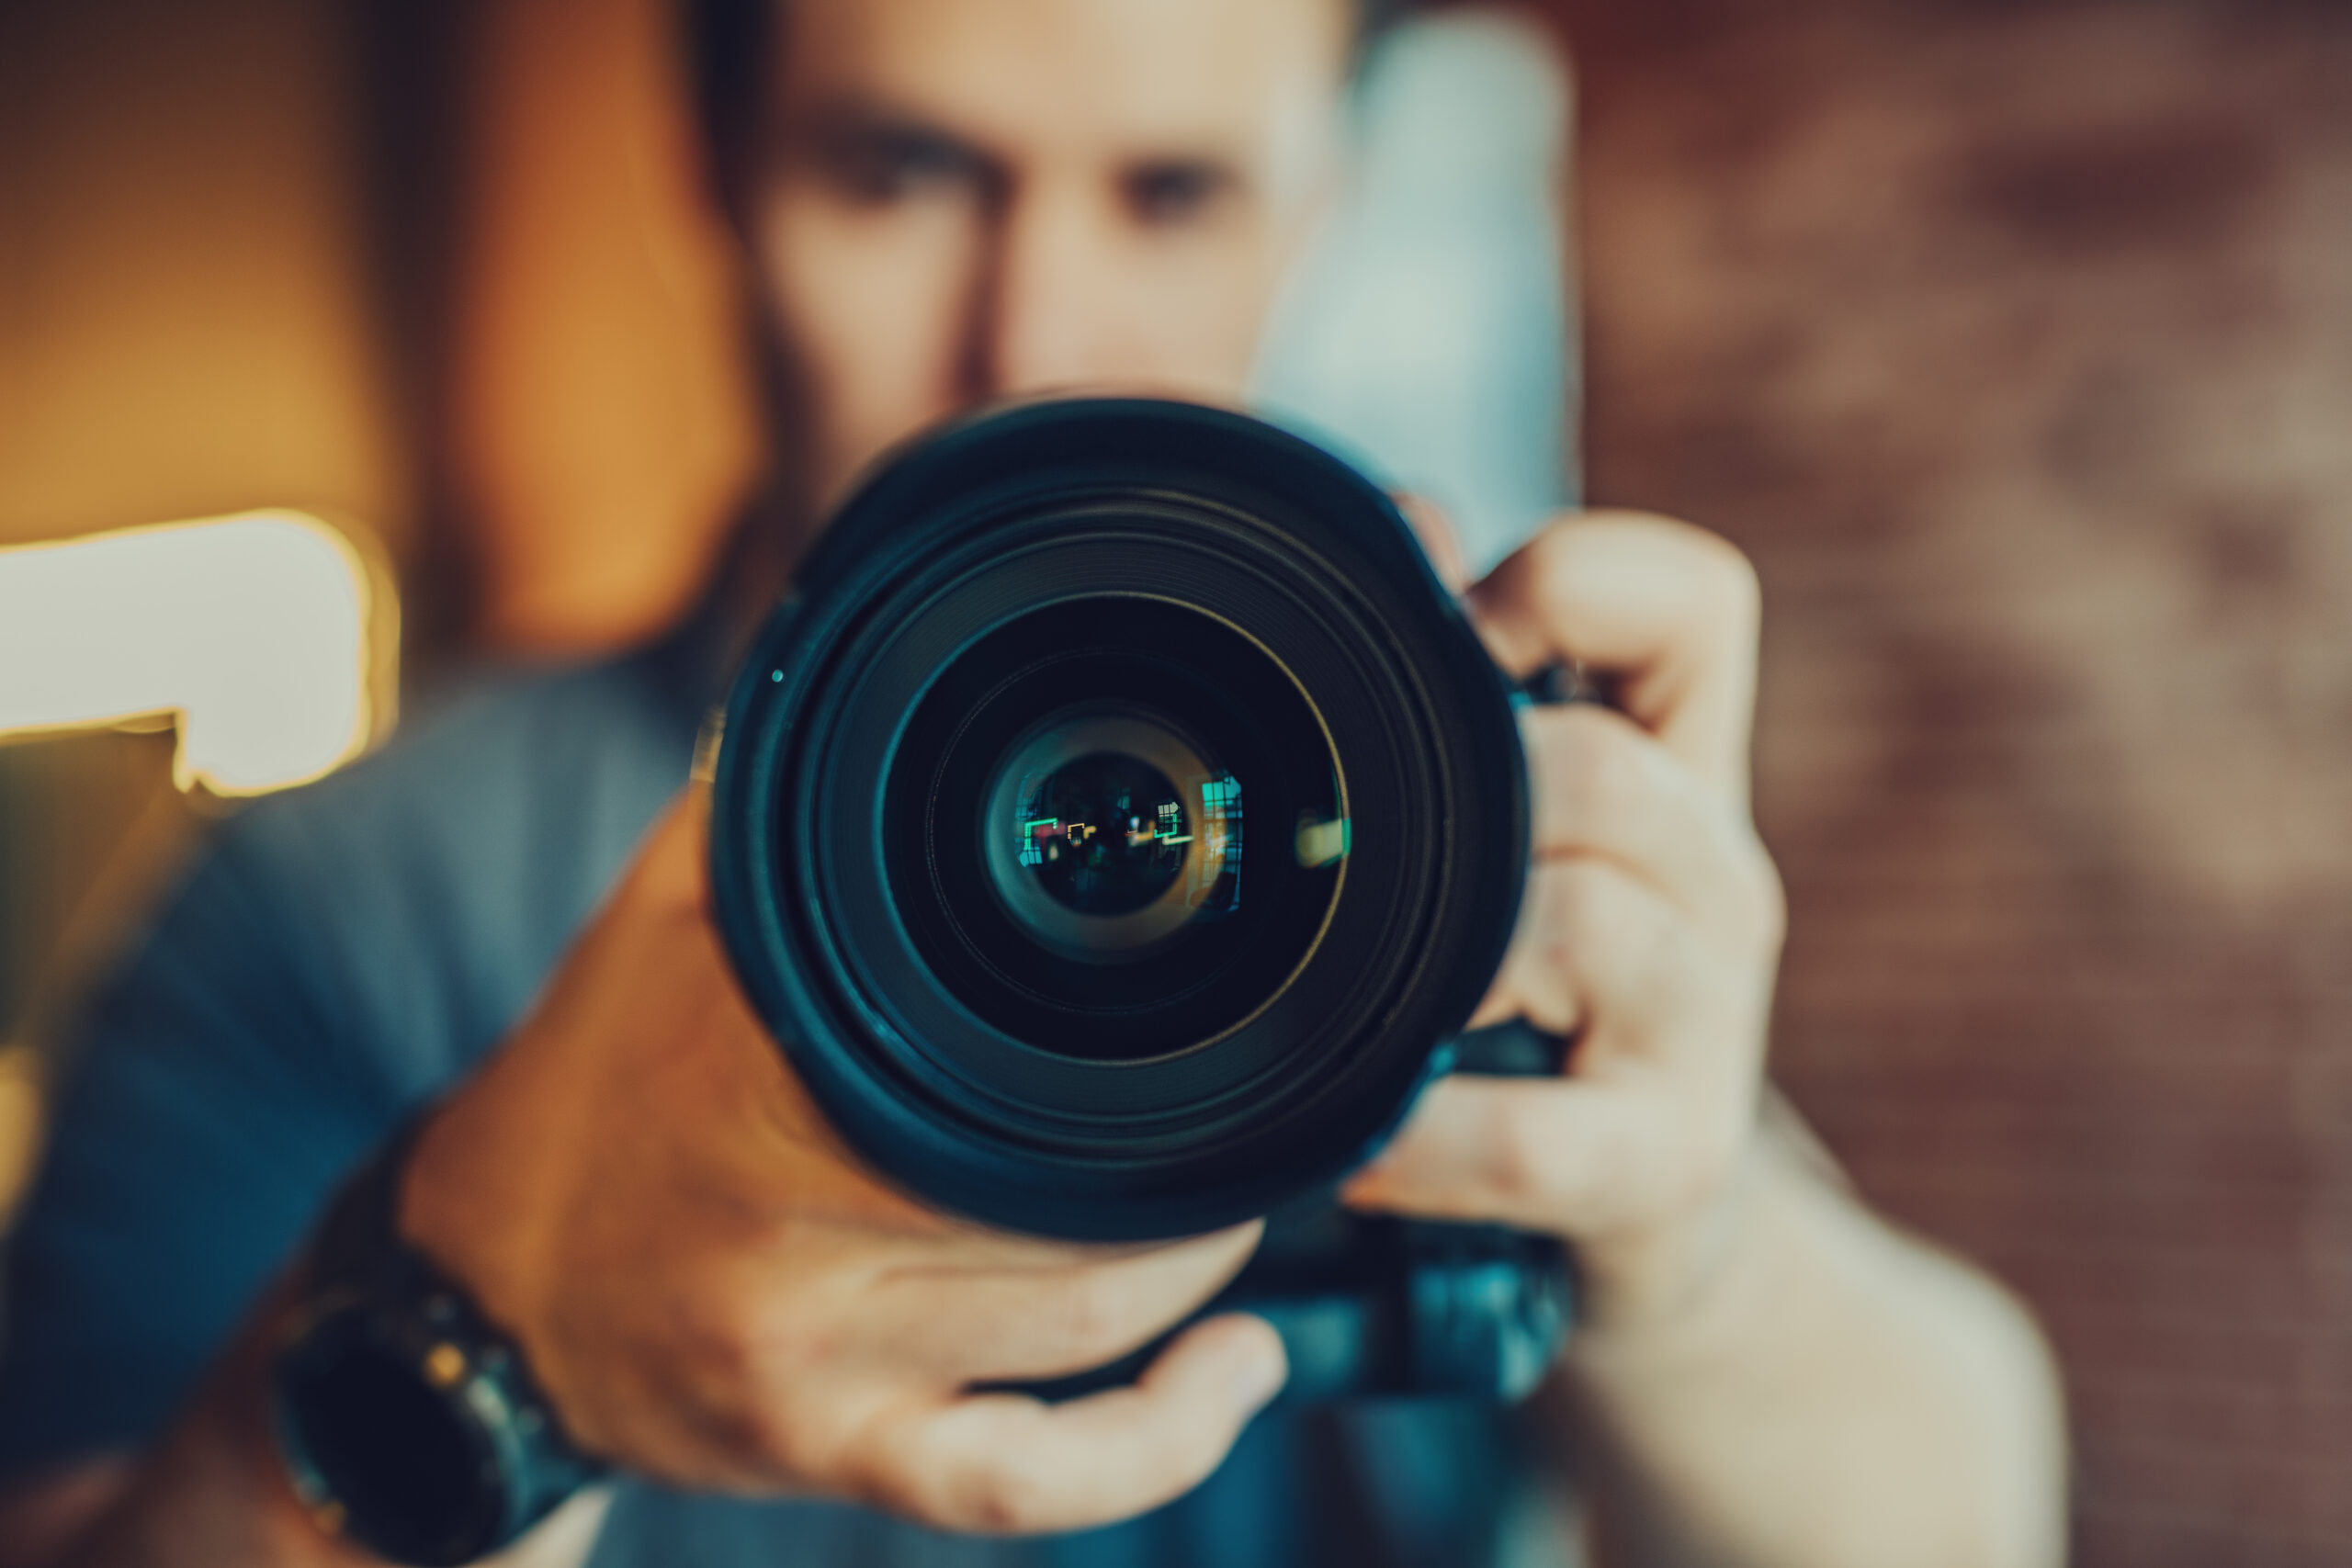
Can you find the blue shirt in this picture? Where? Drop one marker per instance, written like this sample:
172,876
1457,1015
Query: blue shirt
339,955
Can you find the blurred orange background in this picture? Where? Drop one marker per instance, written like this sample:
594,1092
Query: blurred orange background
2013,341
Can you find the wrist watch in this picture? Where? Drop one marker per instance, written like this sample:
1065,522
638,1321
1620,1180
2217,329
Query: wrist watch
409,1424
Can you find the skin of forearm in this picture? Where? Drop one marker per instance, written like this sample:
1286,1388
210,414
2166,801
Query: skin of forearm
1838,1396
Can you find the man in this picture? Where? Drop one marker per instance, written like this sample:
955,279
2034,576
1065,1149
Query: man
946,201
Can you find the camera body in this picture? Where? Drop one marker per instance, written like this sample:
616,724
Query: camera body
1115,828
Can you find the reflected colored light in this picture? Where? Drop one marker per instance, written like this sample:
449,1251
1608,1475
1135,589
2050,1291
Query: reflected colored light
258,635
1320,843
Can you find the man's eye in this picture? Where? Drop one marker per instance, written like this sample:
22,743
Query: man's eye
1165,195
879,169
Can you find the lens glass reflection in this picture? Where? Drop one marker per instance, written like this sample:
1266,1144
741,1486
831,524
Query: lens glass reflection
1105,834
1065,834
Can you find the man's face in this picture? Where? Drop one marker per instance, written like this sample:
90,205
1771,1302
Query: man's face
964,199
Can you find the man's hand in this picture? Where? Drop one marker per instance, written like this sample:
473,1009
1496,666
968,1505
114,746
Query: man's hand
1765,1374
713,1291
1651,926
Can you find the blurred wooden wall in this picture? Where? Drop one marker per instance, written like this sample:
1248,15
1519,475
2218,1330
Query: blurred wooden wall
2015,343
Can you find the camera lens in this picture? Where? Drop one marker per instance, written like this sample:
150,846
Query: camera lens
1108,841
1117,819
1107,832
1063,821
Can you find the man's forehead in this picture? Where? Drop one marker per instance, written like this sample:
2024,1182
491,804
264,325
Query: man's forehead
1018,71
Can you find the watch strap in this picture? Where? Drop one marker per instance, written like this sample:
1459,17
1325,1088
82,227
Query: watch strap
410,1423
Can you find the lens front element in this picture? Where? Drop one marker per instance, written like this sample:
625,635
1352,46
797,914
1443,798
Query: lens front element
1105,835
1108,831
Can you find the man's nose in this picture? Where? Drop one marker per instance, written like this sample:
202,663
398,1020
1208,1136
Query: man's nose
1046,316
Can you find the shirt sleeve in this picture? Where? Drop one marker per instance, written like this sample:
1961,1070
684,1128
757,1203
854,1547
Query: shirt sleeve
207,1114
340,954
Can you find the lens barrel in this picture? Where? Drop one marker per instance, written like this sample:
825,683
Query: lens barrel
1116,818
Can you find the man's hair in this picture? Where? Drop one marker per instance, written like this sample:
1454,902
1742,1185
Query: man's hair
729,49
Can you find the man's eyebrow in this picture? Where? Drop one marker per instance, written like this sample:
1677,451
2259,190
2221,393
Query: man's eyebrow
861,123
1215,165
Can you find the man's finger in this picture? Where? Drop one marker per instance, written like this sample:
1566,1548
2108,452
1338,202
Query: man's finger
1537,981
1002,1464
1578,1159
1014,1323
1669,609
1603,787
1595,947
1435,531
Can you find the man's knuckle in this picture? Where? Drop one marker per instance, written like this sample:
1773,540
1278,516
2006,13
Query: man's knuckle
1734,590
1550,569
891,1467
1768,899
1551,548
889,1481
782,1444
1189,1450
1004,1495
1749,906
